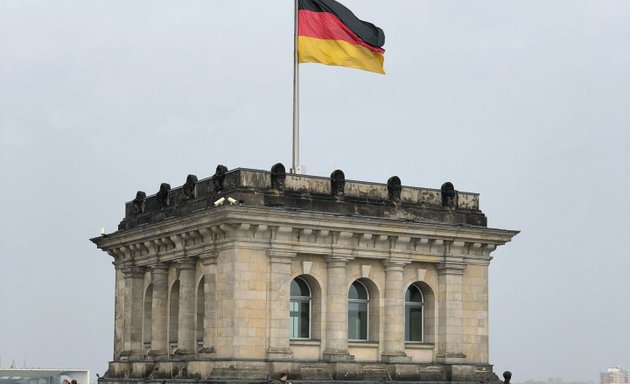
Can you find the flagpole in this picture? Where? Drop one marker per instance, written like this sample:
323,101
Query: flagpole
297,169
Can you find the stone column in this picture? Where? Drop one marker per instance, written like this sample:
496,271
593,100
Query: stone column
210,303
394,311
279,304
337,312
450,312
132,313
186,320
119,314
159,307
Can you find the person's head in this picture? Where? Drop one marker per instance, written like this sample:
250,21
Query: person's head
507,375
74,381
283,376
65,381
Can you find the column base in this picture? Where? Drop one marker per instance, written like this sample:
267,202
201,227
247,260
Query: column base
207,350
333,355
125,355
158,354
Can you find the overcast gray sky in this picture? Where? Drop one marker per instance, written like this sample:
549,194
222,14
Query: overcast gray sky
525,102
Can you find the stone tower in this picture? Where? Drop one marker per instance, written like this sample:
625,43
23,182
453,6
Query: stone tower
250,273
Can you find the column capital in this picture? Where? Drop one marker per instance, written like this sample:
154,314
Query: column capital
208,257
159,268
338,262
186,264
450,268
131,271
395,264
278,256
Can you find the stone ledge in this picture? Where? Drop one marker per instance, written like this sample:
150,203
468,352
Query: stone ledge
311,193
258,371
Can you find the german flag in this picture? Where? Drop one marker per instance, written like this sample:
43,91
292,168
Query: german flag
331,34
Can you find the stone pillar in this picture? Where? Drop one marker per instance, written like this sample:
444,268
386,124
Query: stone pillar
132,313
279,304
450,313
337,312
210,302
159,307
186,320
119,314
394,310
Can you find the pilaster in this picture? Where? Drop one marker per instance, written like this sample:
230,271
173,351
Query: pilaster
337,312
279,304
119,314
450,312
132,313
186,320
394,335
159,305
210,302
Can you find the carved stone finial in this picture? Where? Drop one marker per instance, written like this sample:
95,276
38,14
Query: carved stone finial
138,203
449,195
163,195
394,187
337,183
190,188
219,178
278,176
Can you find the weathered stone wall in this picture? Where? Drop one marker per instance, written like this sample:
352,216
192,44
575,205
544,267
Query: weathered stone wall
475,313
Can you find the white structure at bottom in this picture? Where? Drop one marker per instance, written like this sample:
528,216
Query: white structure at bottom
615,376
43,376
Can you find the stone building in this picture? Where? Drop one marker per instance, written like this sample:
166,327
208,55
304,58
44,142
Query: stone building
250,273
615,376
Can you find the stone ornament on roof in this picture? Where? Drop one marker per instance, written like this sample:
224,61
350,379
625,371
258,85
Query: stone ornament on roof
139,203
394,189
278,177
190,188
337,183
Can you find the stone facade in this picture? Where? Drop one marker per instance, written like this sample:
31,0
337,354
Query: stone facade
206,273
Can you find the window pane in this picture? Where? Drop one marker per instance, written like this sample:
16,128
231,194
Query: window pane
304,320
357,291
300,288
413,323
299,319
414,295
299,312
294,319
357,321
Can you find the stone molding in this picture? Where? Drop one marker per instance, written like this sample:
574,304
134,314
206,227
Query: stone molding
252,228
133,271
186,264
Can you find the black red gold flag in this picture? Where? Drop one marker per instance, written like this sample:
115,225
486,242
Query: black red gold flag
329,33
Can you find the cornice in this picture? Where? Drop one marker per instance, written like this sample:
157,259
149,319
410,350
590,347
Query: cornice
267,228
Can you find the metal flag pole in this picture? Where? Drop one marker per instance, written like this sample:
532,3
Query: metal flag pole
297,169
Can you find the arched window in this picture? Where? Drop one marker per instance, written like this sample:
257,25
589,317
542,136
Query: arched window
358,303
201,311
414,314
146,322
173,319
300,310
